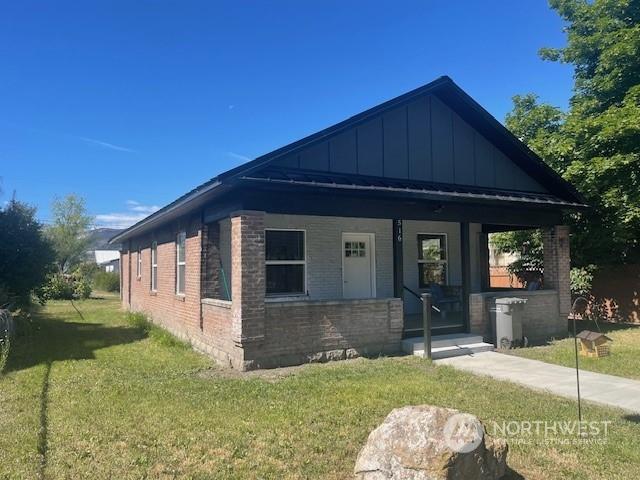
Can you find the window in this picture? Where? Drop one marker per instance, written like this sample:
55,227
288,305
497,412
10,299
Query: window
355,249
154,266
139,268
432,259
180,262
285,262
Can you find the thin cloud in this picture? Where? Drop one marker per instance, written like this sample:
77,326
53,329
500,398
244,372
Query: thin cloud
108,145
139,208
91,141
238,156
134,212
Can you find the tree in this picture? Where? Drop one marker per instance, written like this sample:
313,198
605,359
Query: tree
596,144
25,253
68,233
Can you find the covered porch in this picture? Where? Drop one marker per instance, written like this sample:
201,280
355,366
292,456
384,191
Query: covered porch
335,276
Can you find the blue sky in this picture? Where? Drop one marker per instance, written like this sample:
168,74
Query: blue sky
131,103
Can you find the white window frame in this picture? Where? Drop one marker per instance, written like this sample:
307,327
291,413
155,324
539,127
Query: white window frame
139,265
287,262
154,266
446,254
181,263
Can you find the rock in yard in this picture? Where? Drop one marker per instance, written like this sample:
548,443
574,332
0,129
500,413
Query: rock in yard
431,443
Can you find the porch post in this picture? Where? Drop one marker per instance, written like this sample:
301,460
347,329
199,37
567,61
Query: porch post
398,279
485,274
557,264
247,277
466,271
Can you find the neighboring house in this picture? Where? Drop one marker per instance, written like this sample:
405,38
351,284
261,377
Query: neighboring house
111,266
316,250
108,260
499,275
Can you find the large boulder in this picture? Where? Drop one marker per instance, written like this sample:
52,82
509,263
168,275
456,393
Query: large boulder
431,443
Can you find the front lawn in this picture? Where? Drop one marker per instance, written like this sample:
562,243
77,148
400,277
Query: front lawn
624,360
91,396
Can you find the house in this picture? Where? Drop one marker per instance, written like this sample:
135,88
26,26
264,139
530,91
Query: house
112,266
320,249
499,275
107,260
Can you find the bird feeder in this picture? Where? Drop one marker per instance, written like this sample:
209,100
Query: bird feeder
593,344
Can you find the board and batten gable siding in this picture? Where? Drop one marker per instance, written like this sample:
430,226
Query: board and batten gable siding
323,243
424,140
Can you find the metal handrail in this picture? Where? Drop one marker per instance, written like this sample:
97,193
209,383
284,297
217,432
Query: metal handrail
425,298
419,297
412,292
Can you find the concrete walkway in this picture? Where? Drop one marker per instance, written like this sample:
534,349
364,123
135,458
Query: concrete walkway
595,387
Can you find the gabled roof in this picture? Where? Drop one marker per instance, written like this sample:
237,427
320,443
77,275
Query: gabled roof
442,87
590,336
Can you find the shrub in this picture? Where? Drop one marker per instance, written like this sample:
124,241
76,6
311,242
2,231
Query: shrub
81,288
6,330
64,287
107,281
25,253
5,346
581,280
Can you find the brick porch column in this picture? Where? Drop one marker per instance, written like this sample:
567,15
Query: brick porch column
247,277
557,263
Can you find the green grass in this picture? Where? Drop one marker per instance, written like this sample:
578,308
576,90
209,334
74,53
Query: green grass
101,396
624,360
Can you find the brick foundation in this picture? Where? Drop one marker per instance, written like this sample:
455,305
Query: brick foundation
314,331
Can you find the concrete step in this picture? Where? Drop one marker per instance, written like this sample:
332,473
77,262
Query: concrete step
445,346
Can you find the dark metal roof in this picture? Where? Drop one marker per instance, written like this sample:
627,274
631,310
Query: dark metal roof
430,190
590,336
445,88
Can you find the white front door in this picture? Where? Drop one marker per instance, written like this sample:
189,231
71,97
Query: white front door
358,265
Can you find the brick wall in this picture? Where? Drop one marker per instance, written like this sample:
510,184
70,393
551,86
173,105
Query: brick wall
210,331
164,305
248,277
540,321
247,332
306,331
324,250
557,265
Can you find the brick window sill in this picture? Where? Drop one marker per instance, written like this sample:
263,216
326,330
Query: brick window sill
180,297
153,293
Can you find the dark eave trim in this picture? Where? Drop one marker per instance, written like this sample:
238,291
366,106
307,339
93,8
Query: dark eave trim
178,207
437,195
